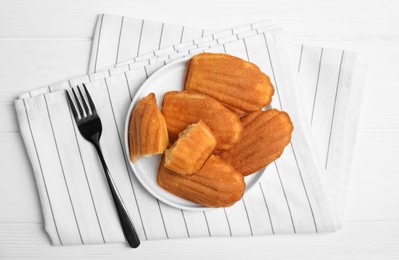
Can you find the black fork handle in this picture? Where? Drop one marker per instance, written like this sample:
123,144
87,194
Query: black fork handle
126,222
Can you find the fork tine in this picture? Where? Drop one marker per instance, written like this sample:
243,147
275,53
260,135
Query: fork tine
83,101
78,103
91,104
72,106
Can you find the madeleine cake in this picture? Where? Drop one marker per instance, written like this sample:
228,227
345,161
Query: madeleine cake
216,184
265,135
148,134
238,84
181,109
193,147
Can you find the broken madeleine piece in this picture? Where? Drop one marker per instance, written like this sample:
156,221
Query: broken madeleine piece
181,109
193,147
240,85
148,134
265,135
216,184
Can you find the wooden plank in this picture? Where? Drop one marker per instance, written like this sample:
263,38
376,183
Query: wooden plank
377,150
375,166
357,240
75,18
19,198
29,64
380,108
373,192
8,115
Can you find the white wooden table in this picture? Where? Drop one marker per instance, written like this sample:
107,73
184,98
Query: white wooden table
47,41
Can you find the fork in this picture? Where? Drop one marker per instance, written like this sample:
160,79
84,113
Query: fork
89,125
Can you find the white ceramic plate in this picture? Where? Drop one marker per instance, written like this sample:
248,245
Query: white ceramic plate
170,77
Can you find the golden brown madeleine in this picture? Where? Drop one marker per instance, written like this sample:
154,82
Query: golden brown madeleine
181,109
216,184
245,120
148,134
193,147
238,84
266,134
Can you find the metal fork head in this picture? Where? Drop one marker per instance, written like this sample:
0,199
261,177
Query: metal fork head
85,115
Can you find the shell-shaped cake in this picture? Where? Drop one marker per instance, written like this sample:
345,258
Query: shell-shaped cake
265,135
148,134
193,147
216,184
181,109
240,85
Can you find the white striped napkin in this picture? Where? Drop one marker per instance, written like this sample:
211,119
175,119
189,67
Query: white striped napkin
330,103
76,203
331,87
